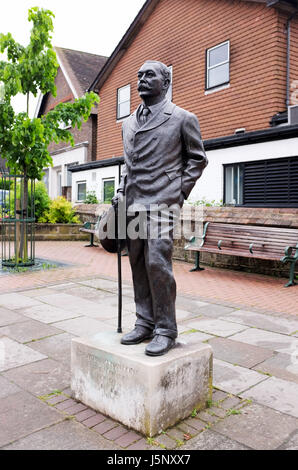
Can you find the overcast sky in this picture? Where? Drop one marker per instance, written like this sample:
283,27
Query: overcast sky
87,25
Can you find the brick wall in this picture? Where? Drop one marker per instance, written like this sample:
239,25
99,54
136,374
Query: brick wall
178,33
88,129
294,62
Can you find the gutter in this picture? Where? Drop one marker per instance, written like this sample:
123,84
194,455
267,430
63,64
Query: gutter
254,137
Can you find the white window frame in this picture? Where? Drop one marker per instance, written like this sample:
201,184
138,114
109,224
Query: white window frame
212,67
77,188
118,117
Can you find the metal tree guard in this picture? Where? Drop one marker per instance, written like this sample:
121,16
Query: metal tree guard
17,220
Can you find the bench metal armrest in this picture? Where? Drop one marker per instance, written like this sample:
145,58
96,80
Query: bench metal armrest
289,256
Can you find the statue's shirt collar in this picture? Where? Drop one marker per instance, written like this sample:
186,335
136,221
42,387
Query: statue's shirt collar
155,108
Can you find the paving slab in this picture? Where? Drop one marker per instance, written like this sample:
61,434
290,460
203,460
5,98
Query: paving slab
282,366
128,322
242,354
7,388
291,443
106,310
234,379
15,301
42,377
83,326
39,291
258,427
216,327
22,414
8,317
278,394
209,440
191,305
194,337
46,313
71,303
264,322
56,347
68,435
215,310
62,286
103,284
13,354
267,339
28,330
86,292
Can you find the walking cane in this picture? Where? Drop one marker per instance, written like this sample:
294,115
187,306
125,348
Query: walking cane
119,328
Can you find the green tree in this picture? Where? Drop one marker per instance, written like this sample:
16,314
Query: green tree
24,141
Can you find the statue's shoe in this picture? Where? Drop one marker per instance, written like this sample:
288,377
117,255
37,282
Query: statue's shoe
159,345
137,335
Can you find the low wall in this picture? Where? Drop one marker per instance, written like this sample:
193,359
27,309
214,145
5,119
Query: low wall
193,216
59,232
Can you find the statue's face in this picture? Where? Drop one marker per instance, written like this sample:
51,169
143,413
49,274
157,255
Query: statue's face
151,82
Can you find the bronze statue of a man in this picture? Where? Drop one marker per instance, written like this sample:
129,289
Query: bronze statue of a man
164,157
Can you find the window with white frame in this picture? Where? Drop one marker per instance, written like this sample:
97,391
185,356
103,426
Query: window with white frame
81,191
233,178
123,102
69,173
108,190
218,65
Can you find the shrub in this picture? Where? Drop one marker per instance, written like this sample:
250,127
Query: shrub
60,212
91,198
41,198
206,202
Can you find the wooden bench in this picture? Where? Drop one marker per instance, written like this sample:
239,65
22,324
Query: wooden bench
278,244
89,227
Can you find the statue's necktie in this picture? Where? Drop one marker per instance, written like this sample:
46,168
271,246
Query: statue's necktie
144,115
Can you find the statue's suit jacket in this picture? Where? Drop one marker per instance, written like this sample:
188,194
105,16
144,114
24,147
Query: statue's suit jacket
163,158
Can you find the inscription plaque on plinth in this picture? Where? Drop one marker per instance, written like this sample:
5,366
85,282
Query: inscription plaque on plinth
147,394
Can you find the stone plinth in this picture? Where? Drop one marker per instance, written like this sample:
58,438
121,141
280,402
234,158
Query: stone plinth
148,394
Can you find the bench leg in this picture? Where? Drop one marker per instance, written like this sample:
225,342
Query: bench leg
292,275
91,240
197,263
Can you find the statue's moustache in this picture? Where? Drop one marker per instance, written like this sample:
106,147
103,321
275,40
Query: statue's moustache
143,88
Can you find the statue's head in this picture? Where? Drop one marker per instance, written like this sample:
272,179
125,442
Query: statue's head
154,79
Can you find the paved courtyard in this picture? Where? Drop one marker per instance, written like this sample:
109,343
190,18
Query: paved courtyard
250,321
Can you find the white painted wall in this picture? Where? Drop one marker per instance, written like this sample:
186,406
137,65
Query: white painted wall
94,180
60,161
210,185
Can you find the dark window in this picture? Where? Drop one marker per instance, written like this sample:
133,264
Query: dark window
218,65
123,102
108,191
81,190
265,183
